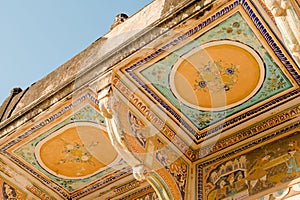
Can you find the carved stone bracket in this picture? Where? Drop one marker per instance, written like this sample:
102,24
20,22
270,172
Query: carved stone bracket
141,172
278,7
287,20
115,132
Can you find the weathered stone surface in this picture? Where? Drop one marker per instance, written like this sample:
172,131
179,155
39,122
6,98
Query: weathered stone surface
100,56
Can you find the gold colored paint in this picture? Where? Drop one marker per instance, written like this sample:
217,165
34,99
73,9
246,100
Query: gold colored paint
75,152
248,76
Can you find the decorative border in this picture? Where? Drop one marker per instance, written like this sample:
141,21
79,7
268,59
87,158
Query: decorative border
127,187
194,155
48,120
138,193
102,183
267,36
258,141
153,118
264,125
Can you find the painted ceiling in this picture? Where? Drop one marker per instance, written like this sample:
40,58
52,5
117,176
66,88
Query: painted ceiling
227,70
203,110
213,93
70,153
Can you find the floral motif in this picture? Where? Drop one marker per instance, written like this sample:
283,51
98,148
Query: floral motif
216,77
67,184
159,73
26,151
235,28
275,82
88,113
75,152
205,119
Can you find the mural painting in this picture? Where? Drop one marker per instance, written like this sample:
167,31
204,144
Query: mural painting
204,75
137,127
63,147
228,79
273,165
73,143
174,165
149,196
146,193
167,158
10,192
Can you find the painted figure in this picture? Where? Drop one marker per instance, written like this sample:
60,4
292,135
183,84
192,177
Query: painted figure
221,192
240,183
231,187
162,158
294,158
257,172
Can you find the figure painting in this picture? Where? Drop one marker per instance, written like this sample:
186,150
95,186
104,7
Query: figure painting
175,165
137,127
264,168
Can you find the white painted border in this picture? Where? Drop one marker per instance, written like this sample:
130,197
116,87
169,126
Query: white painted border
75,124
209,44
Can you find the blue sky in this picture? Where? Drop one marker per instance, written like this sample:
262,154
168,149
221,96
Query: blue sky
37,36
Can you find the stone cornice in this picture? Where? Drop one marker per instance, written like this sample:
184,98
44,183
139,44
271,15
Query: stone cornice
94,68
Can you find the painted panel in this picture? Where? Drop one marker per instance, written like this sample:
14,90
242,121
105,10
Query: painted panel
222,77
144,142
258,172
142,194
69,155
225,70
